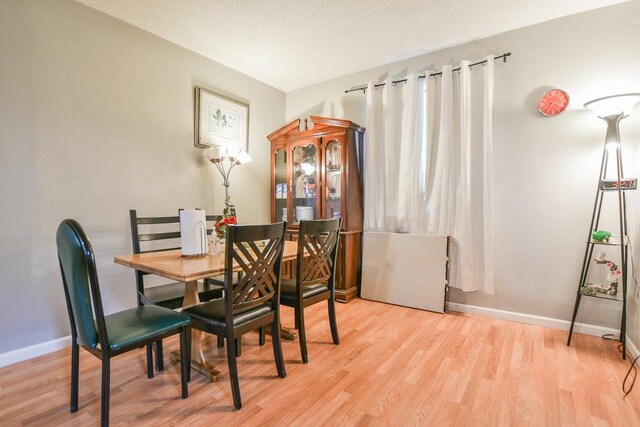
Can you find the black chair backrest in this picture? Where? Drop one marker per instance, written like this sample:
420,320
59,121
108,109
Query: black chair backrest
160,233
81,289
319,239
258,250
155,235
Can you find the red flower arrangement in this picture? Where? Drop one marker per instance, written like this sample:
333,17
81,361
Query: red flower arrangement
221,226
228,218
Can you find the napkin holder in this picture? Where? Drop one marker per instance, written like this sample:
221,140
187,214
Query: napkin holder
193,232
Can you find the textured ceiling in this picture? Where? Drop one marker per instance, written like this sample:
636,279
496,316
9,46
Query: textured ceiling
290,44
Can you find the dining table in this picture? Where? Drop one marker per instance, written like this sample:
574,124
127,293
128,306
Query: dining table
173,265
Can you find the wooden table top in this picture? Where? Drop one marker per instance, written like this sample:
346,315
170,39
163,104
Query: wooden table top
173,265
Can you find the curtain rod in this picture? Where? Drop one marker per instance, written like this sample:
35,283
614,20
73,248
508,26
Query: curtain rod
363,88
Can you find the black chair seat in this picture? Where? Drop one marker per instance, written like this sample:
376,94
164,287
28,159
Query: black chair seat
288,290
140,324
213,313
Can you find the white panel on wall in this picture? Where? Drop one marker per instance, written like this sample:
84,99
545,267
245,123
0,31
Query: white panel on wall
405,269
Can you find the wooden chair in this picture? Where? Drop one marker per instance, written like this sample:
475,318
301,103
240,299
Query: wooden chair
108,336
164,234
315,275
253,301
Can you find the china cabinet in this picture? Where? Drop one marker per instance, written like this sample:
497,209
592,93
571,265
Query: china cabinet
316,174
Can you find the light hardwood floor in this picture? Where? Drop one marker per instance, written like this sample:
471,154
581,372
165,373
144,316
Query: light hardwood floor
395,366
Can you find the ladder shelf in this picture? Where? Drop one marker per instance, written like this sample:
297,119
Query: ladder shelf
617,289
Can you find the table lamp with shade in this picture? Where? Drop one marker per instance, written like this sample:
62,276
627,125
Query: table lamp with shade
612,109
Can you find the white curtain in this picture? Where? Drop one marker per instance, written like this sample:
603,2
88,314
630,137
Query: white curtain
487,177
441,194
395,157
429,165
374,195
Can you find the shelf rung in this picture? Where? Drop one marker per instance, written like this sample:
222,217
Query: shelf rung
612,241
617,297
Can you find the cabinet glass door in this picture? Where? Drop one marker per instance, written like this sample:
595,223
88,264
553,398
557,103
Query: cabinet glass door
333,179
280,179
305,182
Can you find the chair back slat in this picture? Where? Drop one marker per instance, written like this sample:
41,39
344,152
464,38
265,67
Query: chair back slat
158,236
80,280
257,249
317,249
158,220
161,250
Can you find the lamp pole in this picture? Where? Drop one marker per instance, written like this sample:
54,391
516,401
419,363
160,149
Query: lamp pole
225,173
225,158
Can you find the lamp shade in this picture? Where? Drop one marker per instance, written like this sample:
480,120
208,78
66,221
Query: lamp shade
613,105
243,157
220,153
213,154
230,151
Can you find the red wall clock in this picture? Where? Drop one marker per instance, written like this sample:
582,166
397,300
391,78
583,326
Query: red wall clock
553,102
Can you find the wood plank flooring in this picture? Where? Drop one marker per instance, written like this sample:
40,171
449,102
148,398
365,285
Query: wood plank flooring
395,366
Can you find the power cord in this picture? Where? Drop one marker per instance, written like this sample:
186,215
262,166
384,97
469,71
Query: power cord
611,337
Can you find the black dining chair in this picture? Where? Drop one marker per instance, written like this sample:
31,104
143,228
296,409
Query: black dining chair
162,233
315,275
251,302
109,336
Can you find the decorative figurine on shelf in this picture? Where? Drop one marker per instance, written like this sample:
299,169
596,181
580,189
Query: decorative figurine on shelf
600,236
613,277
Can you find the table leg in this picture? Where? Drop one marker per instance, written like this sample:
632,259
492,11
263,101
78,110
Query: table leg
286,333
288,272
198,360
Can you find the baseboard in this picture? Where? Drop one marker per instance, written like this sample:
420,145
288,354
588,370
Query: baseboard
632,348
530,319
15,356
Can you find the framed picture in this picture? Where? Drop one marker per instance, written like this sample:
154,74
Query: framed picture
220,120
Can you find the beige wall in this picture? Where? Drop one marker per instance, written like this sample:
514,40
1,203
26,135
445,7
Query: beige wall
545,169
96,118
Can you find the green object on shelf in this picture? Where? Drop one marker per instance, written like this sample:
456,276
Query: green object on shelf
600,235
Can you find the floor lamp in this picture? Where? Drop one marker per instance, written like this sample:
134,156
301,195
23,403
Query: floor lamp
612,109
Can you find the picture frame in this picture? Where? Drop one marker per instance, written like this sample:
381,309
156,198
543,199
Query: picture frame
220,120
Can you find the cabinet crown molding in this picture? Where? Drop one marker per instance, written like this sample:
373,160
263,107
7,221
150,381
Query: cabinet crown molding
321,125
